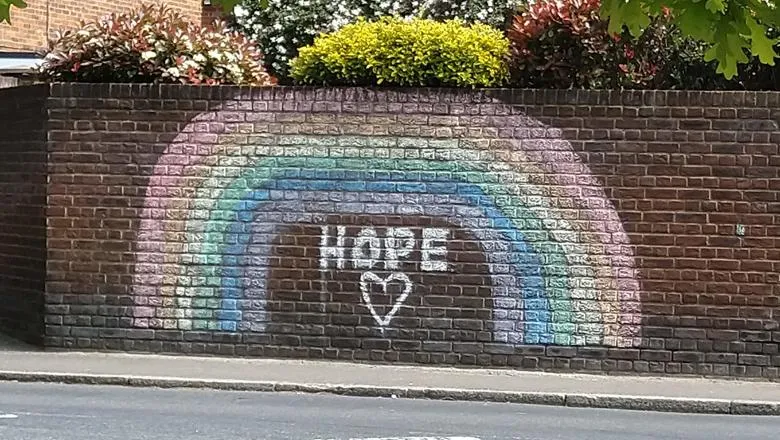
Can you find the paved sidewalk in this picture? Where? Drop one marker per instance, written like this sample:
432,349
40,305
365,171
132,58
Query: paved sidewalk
675,394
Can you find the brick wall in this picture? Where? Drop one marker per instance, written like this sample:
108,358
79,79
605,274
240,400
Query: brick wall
32,26
593,231
22,216
210,14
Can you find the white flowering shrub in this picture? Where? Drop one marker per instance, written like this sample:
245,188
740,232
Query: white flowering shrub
153,44
280,27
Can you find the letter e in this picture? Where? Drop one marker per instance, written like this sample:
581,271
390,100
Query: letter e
434,243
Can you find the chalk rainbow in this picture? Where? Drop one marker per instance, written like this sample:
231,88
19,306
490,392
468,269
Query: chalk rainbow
561,267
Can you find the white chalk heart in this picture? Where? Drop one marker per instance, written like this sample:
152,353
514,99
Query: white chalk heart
365,287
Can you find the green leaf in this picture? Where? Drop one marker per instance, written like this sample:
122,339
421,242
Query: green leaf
728,49
630,13
228,5
5,9
760,45
769,14
716,6
697,21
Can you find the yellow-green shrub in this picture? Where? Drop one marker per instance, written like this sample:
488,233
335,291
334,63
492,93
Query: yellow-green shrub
418,52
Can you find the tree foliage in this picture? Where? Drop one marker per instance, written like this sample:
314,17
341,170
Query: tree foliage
227,5
5,9
731,29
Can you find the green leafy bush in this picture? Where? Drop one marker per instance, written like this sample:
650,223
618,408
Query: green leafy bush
153,45
687,69
280,27
418,52
729,29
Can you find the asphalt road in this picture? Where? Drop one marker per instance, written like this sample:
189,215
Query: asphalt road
65,412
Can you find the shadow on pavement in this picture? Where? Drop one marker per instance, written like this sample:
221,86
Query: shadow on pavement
8,343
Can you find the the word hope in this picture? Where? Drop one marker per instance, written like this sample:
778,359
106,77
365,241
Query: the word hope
367,249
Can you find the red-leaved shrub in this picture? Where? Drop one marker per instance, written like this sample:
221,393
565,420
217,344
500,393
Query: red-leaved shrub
153,44
565,44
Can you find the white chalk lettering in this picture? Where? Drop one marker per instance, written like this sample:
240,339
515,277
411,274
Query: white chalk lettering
367,249
434,243
327,252
403,237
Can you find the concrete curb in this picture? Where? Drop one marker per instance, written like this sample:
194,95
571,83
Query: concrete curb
640,403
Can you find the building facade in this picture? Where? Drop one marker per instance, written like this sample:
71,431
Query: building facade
32,26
